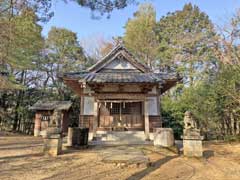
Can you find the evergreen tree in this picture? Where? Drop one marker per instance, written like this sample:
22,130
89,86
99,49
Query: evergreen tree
185,39
140,37
62,53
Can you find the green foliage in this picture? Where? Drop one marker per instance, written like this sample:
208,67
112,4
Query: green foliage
25,40
185,39
104,6
211,102
139,36
21,42
43,7
64,50
62,53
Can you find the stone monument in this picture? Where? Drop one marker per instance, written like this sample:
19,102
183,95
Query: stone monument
53,138
192,140
163,137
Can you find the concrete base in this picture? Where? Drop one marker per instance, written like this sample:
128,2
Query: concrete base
43,133
52,145
192,147
118,138
163,137
36,132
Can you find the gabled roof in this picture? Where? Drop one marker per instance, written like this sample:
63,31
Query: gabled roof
119,51
120,67
51,105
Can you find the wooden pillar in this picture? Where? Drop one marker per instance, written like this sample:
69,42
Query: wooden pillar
37,125
65,121
159,105
81,123
146,120
95,118
160,110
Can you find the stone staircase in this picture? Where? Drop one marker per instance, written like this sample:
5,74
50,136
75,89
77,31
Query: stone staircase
119,138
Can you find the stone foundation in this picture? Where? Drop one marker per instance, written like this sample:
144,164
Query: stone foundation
52,142
192,147
36,132
52,145
163,137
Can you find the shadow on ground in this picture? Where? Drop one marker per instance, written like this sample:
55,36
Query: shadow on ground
21,156
208,153
154,166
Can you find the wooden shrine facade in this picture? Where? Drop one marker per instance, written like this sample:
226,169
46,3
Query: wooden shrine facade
119,93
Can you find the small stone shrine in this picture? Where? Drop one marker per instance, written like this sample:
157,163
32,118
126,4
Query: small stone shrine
44,110
192,140
53,138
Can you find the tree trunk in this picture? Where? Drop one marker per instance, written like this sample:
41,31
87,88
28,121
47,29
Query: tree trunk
17,121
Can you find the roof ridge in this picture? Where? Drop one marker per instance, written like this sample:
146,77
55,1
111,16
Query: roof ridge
128,55
104,57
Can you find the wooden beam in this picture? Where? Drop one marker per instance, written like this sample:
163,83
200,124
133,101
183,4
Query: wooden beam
137,96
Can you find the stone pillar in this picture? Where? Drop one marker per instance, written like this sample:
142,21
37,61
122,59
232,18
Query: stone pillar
146,120
163,137
70,136
37,125
95,123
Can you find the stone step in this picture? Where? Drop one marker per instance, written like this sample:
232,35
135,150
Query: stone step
123,136
110,143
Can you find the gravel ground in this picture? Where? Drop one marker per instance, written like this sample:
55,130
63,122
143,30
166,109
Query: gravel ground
21,158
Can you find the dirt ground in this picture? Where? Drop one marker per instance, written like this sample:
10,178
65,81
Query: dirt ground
21,158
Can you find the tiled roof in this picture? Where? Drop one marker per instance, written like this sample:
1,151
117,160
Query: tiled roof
51,105
121,77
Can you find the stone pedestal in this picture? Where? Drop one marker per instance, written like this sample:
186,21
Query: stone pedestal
163,137
192,140
37,125
192,146
52,142
36,132
70,136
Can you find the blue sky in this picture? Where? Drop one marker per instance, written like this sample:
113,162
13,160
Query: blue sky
78,19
